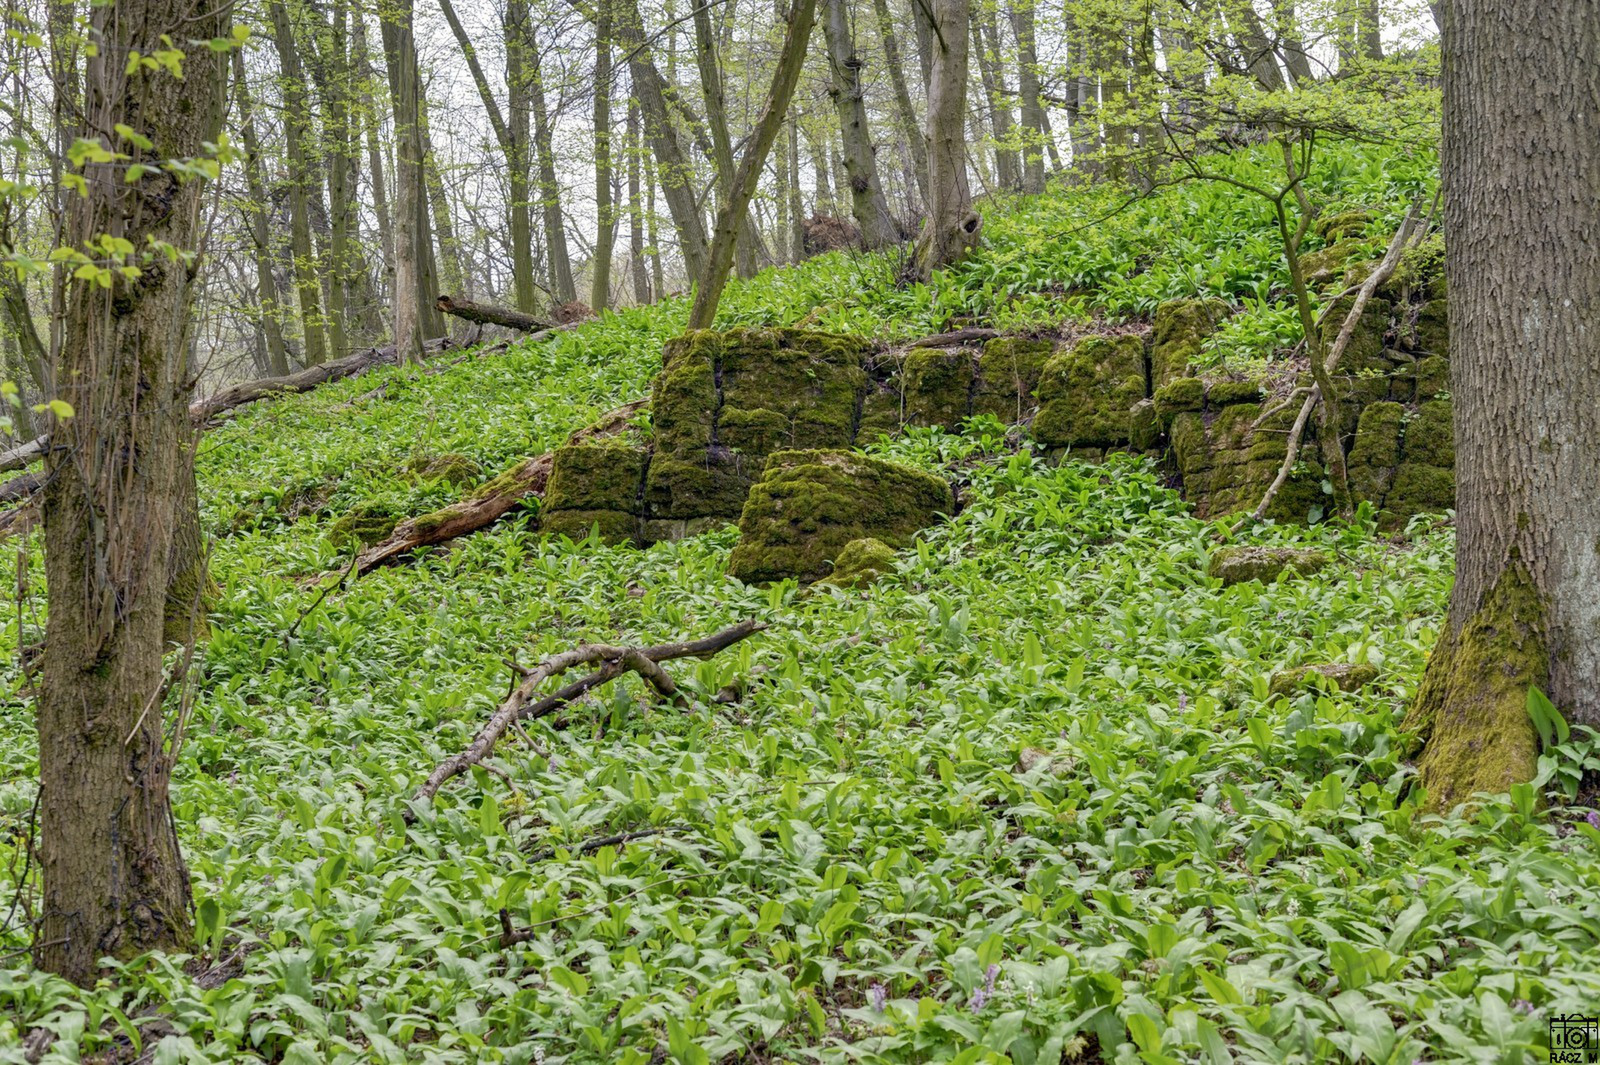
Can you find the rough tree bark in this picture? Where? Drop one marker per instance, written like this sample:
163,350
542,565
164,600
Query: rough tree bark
400,51
604,206
784,79
114,880
1521,148
562,287
952,228
867,202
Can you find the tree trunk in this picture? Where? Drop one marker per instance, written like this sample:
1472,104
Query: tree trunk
784,79
1290,44
1033,123
399,47
867,202
562,288
711,90
1521,146
375,165
675,172
797,207
449,273
991,72
114,880
256,211
636,263
953,226
297,134
907,112
605,210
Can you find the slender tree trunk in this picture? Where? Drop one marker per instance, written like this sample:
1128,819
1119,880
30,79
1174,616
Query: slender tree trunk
517,138
256,212
953,226
784,79
1033,121
451,276
1291,45
562,287
1521,148
822,199
410,232
605,210
296,131
636,263
674,170
375,163
797,207
117,474
991,71
867,202
711,90
910,129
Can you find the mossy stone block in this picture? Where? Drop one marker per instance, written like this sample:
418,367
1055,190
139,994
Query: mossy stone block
809,504
757,432
1432,330
938,387
1433,376
713,486
1345,676
1430,436
683,399
1086,393
1175,397
1420,489
596,477
1323,265
1230,393
1180,331
1376,453
1008,378
1144,426
1342,225
1237,565
812,380
613,526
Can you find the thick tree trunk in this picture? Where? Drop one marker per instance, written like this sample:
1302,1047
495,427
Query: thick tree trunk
297,135
1521,147
953,226
784,79
114,880
867,202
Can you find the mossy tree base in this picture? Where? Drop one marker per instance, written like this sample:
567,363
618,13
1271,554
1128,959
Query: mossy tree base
1471,715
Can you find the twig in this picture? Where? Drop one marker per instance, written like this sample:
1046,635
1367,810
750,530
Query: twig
343,577
521,704
589,846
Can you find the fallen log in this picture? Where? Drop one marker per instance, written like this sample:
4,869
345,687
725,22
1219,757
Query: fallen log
490,314
489,503
523,704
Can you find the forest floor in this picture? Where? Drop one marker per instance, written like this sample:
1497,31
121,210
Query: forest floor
1027,798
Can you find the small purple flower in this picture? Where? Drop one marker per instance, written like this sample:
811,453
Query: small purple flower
878,995
1593,818
1183,701
980,998
988,978
1522,1005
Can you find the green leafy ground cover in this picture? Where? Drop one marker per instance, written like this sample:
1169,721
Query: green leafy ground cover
1028,797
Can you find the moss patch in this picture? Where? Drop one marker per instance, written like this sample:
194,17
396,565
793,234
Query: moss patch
1228,393
1471,715
366,523
450,467
1008,378
938,387
861,562
596,477
809,505
1175,397
613,526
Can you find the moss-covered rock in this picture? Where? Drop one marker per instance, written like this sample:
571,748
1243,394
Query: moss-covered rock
601,476
1180,330
452,468
1008,378
1365,368
938,386
861,562
683,398
1345,676
809,504
1228,393
1420,271
1086,393
613,526
714,487
1175,397
1430,435
1376,453
1342,225
363,524
1323,265
1236,565
812,380
1144,426
1433,376
1226,466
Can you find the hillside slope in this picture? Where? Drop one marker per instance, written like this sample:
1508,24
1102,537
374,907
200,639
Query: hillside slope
1029,796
